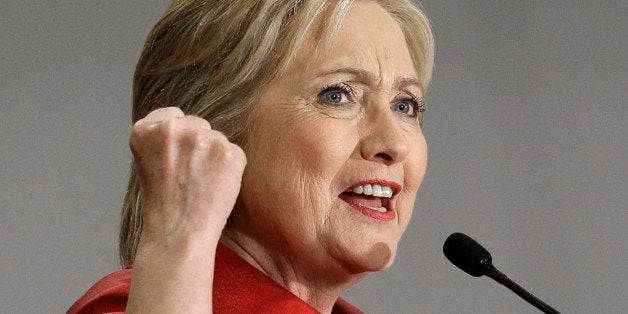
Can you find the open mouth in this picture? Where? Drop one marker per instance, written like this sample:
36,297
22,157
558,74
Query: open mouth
372,199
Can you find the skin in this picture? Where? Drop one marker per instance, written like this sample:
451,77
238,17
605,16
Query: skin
183,165
303,152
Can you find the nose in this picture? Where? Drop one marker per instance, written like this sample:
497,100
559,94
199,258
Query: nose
384,140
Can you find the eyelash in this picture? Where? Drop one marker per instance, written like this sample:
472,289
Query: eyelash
417,103
335,87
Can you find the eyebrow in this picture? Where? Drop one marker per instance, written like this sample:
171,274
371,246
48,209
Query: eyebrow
371,77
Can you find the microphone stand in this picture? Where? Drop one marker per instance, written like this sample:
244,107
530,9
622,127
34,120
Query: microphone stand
498,276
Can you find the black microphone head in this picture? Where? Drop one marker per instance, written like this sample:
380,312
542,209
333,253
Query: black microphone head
467,254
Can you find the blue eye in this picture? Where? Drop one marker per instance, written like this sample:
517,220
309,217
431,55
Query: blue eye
410,106
406,107
334,95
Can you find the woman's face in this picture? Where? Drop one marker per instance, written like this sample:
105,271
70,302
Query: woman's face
338,125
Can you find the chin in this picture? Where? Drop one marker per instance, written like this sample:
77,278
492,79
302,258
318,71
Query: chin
375,257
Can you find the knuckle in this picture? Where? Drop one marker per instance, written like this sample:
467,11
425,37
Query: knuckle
167,127
239,154
217,147
163,113
171,111
227,154
138,124
136,131
196,137
134,145
220,147
140,128
137,139
196,122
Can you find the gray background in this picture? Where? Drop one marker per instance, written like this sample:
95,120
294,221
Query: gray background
528,154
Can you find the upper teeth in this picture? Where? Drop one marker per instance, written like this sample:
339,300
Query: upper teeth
374,190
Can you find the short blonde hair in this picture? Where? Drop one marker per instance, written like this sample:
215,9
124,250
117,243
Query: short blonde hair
211,58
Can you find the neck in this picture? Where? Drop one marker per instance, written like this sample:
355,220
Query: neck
319,285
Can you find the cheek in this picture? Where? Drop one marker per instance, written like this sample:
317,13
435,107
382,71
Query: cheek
414,170
295,165
324,146
416,165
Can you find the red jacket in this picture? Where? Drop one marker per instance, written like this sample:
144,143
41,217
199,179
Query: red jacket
238,288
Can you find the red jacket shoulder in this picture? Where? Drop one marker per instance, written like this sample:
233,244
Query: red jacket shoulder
109,295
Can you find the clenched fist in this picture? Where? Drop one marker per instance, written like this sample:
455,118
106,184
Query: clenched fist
190,177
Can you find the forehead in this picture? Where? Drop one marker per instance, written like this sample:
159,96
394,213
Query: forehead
369,38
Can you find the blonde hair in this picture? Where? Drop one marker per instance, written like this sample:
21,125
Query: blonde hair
211,58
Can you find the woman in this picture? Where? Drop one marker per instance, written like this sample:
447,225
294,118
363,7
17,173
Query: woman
304,178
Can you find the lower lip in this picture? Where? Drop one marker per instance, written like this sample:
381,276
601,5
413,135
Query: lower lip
387,216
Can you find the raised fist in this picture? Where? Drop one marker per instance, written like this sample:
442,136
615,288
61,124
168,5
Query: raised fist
190,177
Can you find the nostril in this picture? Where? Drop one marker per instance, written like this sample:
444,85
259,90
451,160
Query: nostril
383,156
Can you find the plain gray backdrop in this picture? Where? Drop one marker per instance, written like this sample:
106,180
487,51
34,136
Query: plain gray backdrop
526,124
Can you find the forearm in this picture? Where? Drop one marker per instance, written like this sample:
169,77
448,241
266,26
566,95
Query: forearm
190,176
172,280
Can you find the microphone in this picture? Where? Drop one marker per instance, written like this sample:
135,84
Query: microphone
476,261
